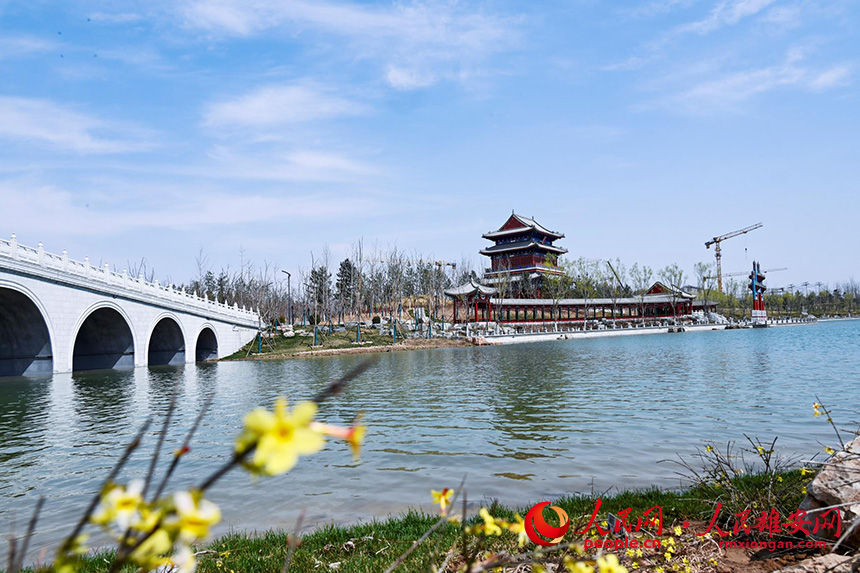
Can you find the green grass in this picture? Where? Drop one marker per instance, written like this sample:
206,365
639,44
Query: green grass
373,546
282,346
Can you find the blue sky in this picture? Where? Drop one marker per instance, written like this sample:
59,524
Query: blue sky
268,129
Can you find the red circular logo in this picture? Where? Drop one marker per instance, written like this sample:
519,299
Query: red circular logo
542,532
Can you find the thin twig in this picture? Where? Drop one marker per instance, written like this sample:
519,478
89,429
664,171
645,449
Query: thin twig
434,527
830,420
13,545
184,449
338,385
159,443
31,527
293,542
237,459
113,473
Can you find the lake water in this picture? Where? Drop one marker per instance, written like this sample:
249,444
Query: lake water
523,422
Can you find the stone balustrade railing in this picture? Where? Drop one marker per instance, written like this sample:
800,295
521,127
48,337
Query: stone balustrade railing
38,256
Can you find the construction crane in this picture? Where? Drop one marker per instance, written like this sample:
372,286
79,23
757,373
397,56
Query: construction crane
614,272
716,242
742,273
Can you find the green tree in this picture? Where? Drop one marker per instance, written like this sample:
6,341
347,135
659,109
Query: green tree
346,284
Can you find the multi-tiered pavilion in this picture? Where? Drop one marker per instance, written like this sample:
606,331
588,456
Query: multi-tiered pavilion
522,256
513,290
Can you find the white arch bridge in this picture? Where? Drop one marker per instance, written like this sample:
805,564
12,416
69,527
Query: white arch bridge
60,315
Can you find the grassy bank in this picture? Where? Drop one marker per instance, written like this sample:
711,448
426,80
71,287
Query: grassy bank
373,546
279,347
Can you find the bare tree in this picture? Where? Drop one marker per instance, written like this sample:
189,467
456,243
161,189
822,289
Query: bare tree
705,282
557,287
586,280
618,272
673,276
641,277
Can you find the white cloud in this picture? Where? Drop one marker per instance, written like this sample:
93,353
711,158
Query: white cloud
18,46
273,106
115,17
831,78
729,90
407,79
789,16
44,122
48,210
656,8
290,166
727,13
420,42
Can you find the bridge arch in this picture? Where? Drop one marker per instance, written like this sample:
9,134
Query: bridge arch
103,339
26,334
166,342
206,347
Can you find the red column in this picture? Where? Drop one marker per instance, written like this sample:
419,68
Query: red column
476,311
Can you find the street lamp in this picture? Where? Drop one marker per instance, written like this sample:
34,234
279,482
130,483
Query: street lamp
289,299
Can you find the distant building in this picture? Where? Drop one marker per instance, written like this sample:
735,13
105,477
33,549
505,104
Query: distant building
523,254
522,258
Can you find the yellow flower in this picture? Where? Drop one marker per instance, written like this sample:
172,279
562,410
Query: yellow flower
354,435
829,450
609,564
519,527
490,526
443,498
355,439
803,490
120,504
194,516
281,436
678,530
183,561
779,478
69,556
804,471
815,408
577,566
708,449
152,553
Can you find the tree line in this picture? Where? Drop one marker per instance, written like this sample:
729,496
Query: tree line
376,282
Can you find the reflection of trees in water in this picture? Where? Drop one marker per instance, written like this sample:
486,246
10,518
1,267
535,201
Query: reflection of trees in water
528,392
103,401
204,379
24,406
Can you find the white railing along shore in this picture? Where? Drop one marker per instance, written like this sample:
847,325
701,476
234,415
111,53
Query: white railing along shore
11,249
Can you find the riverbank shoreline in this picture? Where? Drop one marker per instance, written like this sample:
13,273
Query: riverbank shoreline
405,345
490,340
